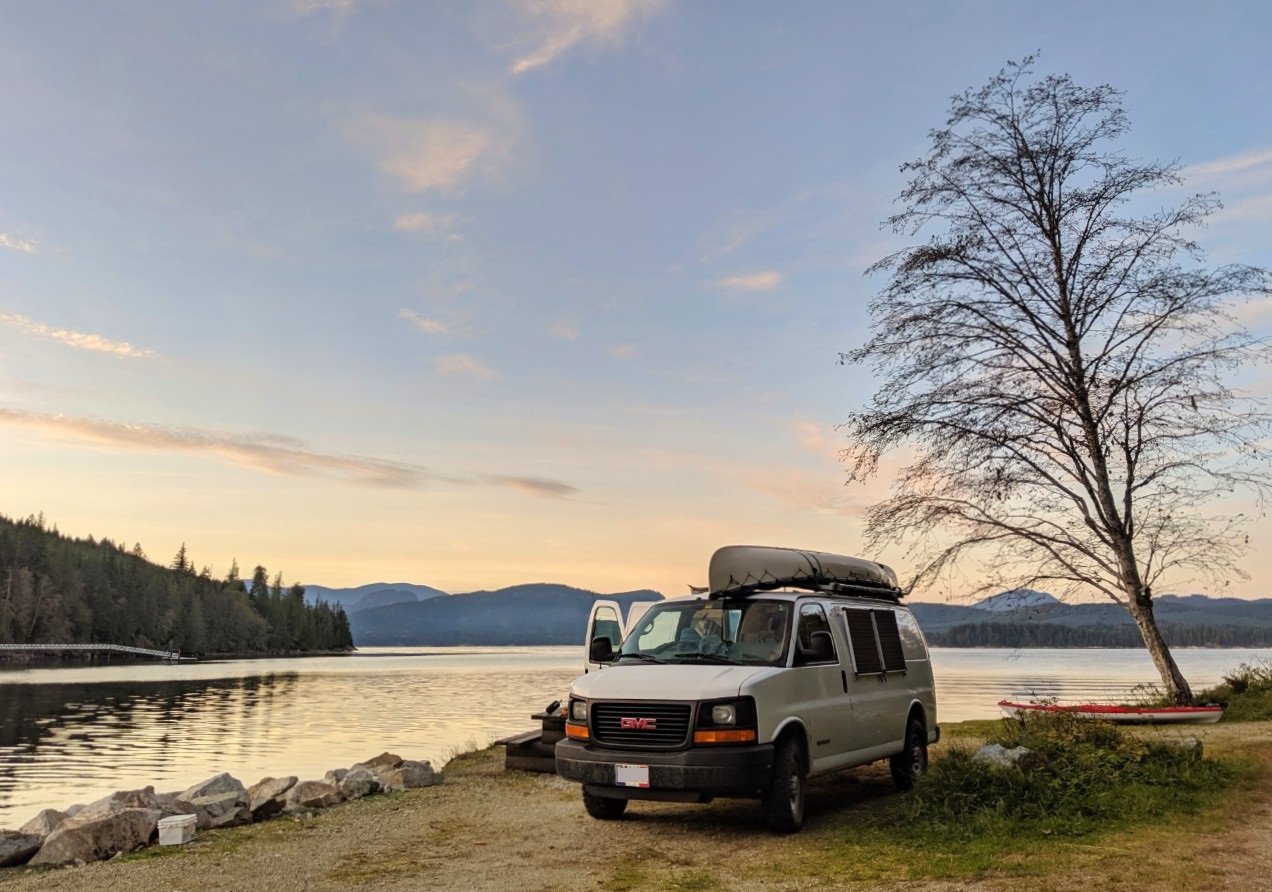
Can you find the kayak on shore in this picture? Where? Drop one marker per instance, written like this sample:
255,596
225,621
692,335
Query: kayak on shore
1125,715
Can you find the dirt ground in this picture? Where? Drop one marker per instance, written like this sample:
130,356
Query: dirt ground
484,828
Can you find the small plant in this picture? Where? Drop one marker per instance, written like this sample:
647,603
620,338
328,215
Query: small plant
1247,690
1080,775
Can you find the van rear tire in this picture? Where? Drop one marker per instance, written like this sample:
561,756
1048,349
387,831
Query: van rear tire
912,761
784,796
604,808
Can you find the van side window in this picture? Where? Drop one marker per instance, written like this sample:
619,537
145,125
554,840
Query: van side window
875,640
607,626
813,619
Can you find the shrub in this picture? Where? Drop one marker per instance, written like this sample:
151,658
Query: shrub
1080,775
1247,691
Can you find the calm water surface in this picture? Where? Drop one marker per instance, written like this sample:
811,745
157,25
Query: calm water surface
72,735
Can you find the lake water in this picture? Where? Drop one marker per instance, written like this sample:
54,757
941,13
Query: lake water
73,734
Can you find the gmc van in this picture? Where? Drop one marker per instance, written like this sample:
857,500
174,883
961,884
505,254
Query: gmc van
793,664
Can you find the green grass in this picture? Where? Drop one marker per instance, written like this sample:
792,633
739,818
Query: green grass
1080,776
1247,690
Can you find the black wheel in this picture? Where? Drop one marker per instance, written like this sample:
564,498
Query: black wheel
784,795
912,761
603,807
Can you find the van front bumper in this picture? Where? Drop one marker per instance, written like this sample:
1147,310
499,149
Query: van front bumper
683,775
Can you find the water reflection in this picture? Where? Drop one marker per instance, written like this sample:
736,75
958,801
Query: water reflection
72,735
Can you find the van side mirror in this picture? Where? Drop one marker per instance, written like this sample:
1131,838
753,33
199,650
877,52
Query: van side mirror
601,651
820,649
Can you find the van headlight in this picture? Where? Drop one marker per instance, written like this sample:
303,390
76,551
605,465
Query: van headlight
726,721
724,714
578,711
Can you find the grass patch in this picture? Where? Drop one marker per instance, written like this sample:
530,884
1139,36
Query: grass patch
1247,691
1080,776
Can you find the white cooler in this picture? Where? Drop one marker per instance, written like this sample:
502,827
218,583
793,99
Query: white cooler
176,830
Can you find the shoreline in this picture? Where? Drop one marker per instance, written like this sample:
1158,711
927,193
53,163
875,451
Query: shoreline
482,826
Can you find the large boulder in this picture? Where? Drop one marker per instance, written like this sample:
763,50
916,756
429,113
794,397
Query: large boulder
215,786
382,762
268,796
311,794
44,823
357,782
17,847
98,835
220,801
145,798
335,776
997,754
407,776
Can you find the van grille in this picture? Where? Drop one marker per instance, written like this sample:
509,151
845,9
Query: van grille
670,724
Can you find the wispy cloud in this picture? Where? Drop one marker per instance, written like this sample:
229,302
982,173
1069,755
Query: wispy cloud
422,221
268,453
430,326
763,280
535,486
13,243
564,24
625,351
462,364
564,328
726,237
424,154
77,339
812,437
1221,167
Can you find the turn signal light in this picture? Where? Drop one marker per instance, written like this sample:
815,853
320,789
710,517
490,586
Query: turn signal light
730,735
576,732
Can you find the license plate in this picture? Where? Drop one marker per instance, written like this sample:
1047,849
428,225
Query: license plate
631,775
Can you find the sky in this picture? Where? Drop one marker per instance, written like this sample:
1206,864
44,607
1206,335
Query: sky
478,294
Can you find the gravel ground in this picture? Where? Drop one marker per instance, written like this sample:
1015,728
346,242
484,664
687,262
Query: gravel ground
487,829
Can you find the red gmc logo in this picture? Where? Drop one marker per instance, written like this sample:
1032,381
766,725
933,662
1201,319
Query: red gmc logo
638,724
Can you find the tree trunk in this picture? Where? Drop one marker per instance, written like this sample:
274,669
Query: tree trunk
1141,610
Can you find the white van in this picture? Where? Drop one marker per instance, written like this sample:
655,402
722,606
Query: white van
796,663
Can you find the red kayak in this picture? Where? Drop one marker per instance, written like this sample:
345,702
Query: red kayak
1125,715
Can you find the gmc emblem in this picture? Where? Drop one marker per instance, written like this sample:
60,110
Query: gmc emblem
638,724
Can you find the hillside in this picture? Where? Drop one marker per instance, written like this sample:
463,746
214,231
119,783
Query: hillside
1186,621
540,613
373,594
59,590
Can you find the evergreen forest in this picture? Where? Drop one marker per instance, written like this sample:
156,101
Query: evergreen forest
58,590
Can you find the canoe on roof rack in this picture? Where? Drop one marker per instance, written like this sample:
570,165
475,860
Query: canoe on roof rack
738,570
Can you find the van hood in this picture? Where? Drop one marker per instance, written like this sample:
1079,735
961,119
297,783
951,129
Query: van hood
679,681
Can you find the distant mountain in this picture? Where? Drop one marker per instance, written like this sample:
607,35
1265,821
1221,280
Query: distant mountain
539,613
373,594
1041,620
1016,599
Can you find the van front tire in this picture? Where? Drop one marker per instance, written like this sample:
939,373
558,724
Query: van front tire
784,796
912,761
604,808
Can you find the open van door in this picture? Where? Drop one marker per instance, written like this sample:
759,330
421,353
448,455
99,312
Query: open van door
605,621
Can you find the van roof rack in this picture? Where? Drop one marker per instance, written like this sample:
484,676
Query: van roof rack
741,570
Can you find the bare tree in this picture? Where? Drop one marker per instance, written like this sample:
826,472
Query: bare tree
1059,368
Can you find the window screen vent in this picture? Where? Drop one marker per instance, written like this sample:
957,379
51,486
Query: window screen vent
865,652
889,640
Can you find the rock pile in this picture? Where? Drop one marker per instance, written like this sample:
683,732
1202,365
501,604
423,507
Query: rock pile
129,820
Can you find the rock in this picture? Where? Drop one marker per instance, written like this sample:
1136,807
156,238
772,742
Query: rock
357,782
44,823
312,794
215,786
1190,745
144,798
17,847
382,762
268,797
997,754
227,809
99,835
408,776
73,810
335,776
172,804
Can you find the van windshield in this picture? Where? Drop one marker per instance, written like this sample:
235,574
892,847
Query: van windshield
747,631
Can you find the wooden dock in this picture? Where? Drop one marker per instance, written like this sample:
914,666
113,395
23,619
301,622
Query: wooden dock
170,656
